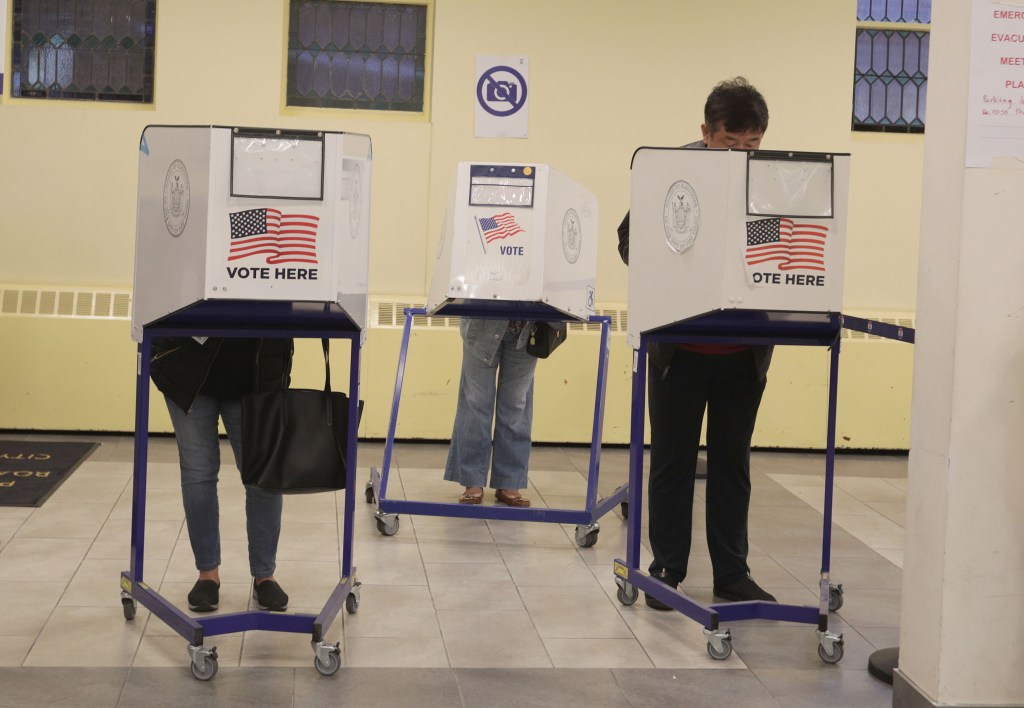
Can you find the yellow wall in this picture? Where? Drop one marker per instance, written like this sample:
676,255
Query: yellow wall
605,77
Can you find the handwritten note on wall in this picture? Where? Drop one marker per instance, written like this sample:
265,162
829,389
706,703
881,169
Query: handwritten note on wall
995,104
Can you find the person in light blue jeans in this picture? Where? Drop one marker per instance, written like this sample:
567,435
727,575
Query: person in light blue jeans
495,388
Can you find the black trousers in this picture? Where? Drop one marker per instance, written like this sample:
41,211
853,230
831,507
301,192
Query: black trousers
727,386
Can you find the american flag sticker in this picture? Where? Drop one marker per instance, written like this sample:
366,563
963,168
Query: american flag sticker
499,226
273,234
784,244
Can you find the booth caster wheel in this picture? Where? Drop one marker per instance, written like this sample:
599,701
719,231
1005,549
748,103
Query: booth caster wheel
370,495
204,663
327,659
586,536
719,644
627,593
830,647
624,508
352,601
387,524
835,597
128,604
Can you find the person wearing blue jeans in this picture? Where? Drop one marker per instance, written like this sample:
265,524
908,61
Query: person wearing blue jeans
495,389
203,381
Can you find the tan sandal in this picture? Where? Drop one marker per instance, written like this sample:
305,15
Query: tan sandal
468,498
511,498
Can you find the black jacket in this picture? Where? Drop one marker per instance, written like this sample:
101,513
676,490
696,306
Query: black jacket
179,366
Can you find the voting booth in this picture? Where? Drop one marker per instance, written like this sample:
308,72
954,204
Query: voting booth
519,242
517,233
251,214
714,230
246,232
734,247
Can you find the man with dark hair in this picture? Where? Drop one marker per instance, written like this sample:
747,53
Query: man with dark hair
728,380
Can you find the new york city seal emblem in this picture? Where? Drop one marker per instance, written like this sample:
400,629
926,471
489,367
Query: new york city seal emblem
681,216
176,198
572,236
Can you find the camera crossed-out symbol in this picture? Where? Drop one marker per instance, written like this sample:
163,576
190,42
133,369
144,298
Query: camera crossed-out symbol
503,85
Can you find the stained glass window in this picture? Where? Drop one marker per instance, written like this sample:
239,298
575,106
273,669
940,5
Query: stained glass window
98,50
368,55
890,76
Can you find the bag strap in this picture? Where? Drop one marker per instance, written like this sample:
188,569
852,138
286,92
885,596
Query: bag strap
326,343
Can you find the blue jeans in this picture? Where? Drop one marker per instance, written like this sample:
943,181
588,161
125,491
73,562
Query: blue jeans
469,455
199,454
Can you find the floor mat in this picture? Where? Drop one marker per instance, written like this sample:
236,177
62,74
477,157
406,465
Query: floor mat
31,471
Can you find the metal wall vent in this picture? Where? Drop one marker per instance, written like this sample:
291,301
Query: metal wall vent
55,302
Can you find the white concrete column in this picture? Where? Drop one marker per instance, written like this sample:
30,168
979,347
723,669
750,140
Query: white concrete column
962,627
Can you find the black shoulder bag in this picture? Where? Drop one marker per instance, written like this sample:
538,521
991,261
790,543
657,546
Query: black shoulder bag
295,440
545,337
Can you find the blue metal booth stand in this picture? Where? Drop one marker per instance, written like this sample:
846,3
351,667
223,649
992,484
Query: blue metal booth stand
237,318
587,527
743,327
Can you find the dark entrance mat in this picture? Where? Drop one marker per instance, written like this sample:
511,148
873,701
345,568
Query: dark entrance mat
31,471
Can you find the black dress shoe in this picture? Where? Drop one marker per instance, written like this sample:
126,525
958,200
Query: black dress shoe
743,590
662,576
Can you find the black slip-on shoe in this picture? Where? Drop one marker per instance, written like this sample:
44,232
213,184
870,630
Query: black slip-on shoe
269,596
204,596
743,590
651,600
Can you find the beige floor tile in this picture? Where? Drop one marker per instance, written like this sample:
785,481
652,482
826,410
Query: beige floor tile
162,504
115,538
472,586
234,597
548,567
492,638
308,541
28,605
393,611
159,651
597,653
315,508
92,483
456,552
66,520
260,648
96,583
870,489
673,641
874,531
573,613
611,544
86,636
391,564
407,652
37,559
558,483
528,533
894,511
8,527
14,649
893,555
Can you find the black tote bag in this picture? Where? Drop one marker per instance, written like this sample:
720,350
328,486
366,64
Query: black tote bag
295,440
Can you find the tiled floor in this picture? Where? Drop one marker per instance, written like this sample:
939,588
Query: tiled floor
454,612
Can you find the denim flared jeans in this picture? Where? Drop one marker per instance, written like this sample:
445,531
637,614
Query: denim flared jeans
199,455
496,392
